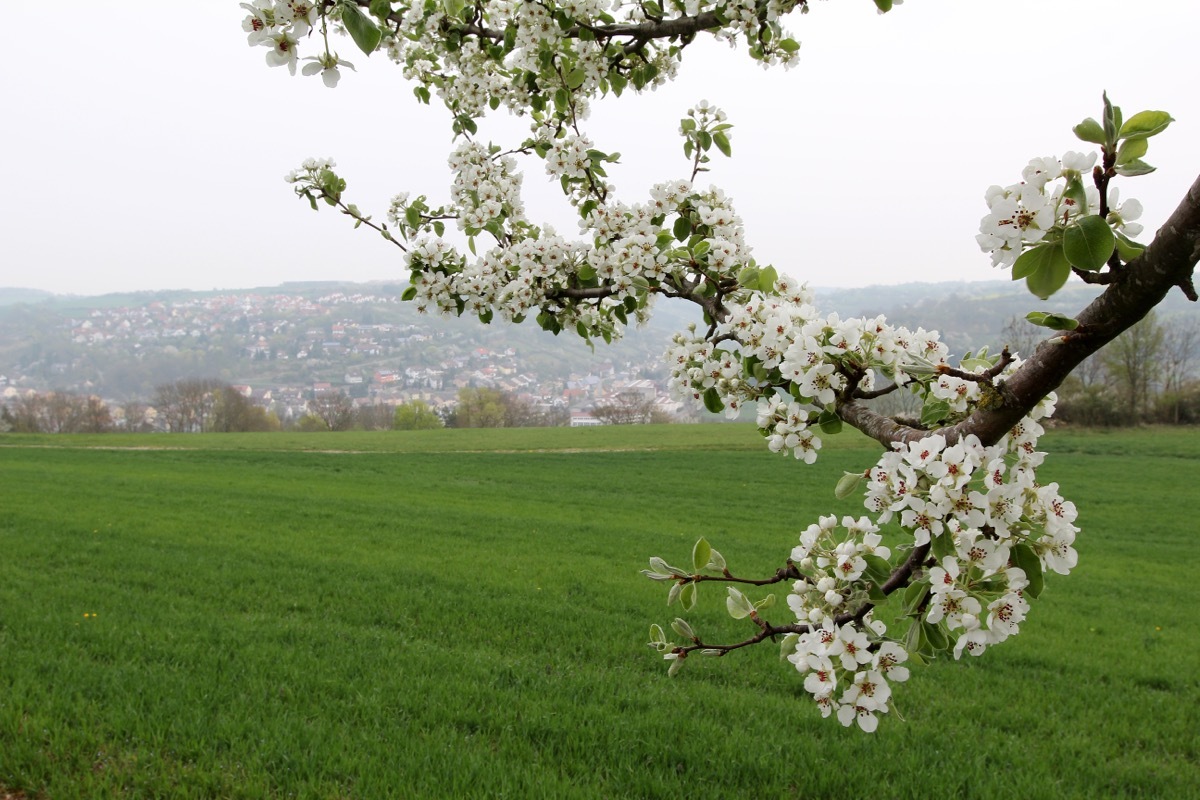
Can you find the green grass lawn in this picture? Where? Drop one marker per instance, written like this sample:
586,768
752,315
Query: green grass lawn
459,614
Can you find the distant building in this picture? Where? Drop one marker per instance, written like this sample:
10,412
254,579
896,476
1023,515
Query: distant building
584,419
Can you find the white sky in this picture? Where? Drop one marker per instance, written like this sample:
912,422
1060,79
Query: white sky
146,142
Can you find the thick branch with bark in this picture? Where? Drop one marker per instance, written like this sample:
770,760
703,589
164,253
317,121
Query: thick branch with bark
1168,262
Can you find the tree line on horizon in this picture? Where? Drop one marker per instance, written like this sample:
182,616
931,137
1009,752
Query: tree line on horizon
1145,376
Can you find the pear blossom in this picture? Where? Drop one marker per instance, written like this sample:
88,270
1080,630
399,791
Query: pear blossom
1122,215
888,659
974,638
1006,614
283,51
260,23
327,65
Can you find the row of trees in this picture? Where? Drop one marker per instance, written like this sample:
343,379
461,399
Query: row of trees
56,412
193,405
204,405
1146,375
476,408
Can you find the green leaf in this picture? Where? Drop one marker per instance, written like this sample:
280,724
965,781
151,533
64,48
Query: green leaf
1127,248
362,29
1111,121
748,277
1029,562
701,552
877,568
676,665
712,401
575,78
380,8
656,635
409,293
912,640
787,46
1055,322
687,596
941,545
875,594
1047,281
788,645
935,636
933,412
847,485
716,561
412,216
1145,124
1075,192
830,422
765,603
682,227
1088,243
884,5
738,604
1133,168
914,595
766,279
681,627
1090,131
1036,259
722,143
1131,150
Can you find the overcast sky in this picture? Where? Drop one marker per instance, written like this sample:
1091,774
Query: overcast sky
146,142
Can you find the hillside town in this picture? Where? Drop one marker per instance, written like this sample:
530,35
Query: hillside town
328,356
283,350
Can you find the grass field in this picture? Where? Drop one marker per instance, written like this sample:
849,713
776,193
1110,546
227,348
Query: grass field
459,614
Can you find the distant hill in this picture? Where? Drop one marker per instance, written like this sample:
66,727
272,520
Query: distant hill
969,315
296,334
11,296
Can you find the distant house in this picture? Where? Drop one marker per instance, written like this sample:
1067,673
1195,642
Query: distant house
583,419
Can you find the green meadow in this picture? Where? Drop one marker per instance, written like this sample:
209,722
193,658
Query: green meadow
459,613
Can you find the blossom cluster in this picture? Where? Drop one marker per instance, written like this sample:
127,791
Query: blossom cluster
779,341
834,658
1051,194
1025,212
498,56
280,25
590,286
981,509
834,562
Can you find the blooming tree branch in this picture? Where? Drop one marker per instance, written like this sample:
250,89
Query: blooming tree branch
959,532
